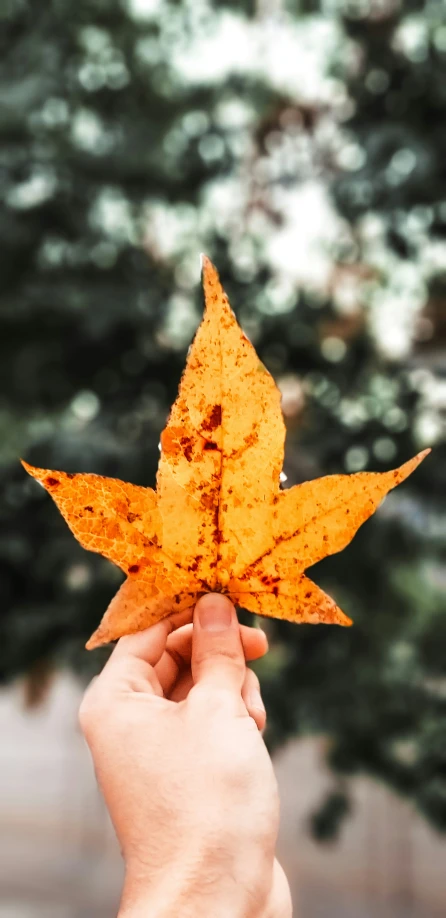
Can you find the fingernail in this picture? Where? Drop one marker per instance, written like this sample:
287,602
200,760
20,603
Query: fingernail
255,700
215,613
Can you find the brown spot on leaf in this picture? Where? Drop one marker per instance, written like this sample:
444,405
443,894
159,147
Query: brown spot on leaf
194,566
70,474
52,482
276,590
90,509
213,419
210,445
171,440
187,445
207,500
251,438
134,568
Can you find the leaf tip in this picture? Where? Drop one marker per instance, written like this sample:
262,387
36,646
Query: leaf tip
215,298
209,274
208,269
32,470
340,618
405,470
96,640
36,473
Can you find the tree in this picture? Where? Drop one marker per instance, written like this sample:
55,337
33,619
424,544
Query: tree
379,690
125,150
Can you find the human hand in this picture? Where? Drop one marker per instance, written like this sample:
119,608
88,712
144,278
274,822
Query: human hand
173,725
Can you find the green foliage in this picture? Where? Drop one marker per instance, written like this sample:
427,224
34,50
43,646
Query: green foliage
119,162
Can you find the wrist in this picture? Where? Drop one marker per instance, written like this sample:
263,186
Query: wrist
205,879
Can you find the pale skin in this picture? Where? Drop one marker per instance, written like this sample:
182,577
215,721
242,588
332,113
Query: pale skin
174,723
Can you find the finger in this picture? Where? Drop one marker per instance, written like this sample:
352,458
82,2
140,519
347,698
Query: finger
132,662
250,695
253,699
218,661
178,652
254,642
148,645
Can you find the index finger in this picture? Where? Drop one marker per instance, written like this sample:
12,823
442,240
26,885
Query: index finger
138,653
178,653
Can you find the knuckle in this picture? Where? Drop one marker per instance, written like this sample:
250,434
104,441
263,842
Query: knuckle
252,680
211,703
221,697
236,774
205,696
91,711
223,651
84,716
255,680
198,698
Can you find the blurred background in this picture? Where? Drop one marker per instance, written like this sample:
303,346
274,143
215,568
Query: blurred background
302,146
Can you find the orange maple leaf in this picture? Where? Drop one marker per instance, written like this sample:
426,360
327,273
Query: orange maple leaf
219,520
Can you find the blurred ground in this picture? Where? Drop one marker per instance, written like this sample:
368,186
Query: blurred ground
59,857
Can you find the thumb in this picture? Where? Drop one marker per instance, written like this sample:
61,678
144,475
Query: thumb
218,659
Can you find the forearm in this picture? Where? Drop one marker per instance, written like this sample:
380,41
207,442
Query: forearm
220,905
214,881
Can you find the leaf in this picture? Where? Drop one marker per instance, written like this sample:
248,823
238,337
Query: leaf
219,520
